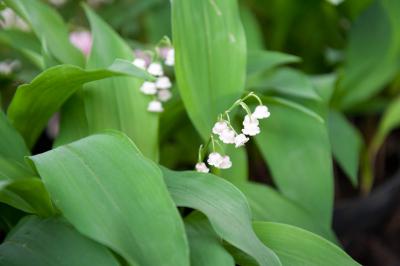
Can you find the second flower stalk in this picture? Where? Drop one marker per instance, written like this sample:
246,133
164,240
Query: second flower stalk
224,132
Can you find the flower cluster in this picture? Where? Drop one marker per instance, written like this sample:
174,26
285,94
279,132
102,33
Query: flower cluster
160,89
9,19
225,132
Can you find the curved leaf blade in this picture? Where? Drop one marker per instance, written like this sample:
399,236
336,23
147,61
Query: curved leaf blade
119,199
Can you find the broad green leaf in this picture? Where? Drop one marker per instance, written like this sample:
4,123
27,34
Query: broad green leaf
34,103
114,195
374,41
269,205
27,194
324,85
12,145
253,31
296,147
346,143
259,61
390,121
240,169
48,26
296,246
210,62
289,82
118,103
205,247
50,242
224,205
25,43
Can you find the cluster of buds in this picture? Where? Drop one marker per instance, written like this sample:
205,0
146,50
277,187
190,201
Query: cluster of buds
224,132
10,20
160,89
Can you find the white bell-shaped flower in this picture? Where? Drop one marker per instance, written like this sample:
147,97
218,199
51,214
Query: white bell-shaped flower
140,63
170,58
148,88
163,83
240,140
225,163
155,69
220,126
250,120
227,136
202,168
261,112
155,107
251,129
214,159
164,95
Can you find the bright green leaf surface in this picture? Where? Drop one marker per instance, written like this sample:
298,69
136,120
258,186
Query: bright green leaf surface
118,103
34,103
296,147
48,26
269,205
50,242
374,41
346,143
210,62
205,247
297,247
224,205
119,198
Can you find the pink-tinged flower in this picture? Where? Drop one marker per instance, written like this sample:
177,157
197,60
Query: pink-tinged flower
225,163
250,120
155,69
202,168
164,95
219,127
170,58
240,140
214,159
82,40
163,83
155,107
261,112
227,136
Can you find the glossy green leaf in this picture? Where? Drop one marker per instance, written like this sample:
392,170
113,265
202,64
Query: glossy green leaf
240,170
296,146
34,103
119,198
289,82
48,26
261,61
25,43
224,205
50,242
296,246
210,61
390,121
374,41
27,194
118,103
346,143
252,28
269,205
12,145
205,247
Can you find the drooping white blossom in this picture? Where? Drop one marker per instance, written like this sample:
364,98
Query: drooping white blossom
261,112
140,63
251,129
155,107
82,40
240,140
148,88
220,126
214,159
225,162
164,95
163,83
250,120
227,136
155,69
202,168
7,67
170,58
